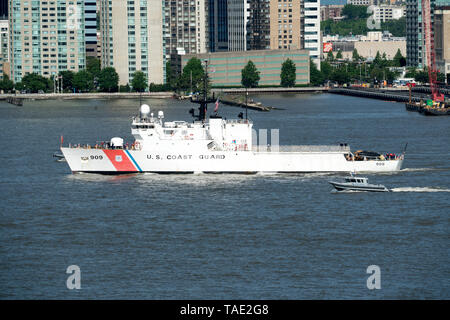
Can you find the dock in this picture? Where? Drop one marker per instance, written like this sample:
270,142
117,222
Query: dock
15,101
263,90
387,95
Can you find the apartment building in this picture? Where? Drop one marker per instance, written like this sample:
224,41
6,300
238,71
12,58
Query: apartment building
4,48
132,38
90,23
186,26
46,37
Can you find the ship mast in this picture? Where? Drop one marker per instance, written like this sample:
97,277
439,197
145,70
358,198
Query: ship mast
203,108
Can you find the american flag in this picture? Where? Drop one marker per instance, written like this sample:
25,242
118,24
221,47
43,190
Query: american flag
217,105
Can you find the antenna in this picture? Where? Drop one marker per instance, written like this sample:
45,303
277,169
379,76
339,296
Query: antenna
202,101
246,103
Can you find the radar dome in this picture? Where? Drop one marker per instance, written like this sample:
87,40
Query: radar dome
145,110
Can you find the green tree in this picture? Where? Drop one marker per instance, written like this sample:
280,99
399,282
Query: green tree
139,82
34,82
422,76
170,75
67,80
339,55
288,73
108,80
399,60
250,75
159,87
315,76
6,85
125,88
19,86
359,26
377,60
396,27
352,12
330,56
440,77
355,55
192,76
93,66
326,69
83,81
411,72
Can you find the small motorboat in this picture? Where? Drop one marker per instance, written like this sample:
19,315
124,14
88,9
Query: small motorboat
59,157
353,183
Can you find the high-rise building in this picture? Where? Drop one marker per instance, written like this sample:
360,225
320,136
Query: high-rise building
186,26
90,23
310,29
258,26
46,37
218,25
285,24
238,14
3,9
442,39
227,25
132,38
331,11
385,13
4,48
415,49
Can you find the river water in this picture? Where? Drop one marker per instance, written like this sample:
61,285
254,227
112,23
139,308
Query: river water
223,236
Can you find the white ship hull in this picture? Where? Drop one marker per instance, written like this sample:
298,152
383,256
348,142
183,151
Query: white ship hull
119,161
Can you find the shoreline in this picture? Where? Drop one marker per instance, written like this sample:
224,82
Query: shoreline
97,95
154,95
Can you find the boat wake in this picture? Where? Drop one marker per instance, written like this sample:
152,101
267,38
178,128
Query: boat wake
419,189
423,169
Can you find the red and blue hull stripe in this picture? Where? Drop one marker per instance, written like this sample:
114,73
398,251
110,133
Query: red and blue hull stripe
122,160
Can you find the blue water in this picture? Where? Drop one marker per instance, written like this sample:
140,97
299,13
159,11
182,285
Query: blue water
223,236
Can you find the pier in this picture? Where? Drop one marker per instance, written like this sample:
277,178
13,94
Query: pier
15,101
382,94
271,90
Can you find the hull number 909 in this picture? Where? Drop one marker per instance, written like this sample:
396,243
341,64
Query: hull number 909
96,157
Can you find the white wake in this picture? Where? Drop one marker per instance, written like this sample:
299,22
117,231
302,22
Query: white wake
419,189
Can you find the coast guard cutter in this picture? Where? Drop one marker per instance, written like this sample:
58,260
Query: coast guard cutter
213,145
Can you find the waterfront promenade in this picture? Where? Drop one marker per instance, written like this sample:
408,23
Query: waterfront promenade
390,94
97,95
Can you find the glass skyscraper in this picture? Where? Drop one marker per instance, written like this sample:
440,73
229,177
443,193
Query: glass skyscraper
90,23
218,25
3,10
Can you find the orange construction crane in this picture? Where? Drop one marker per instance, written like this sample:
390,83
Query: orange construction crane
430,53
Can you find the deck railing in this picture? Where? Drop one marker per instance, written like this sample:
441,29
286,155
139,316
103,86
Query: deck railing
303,148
